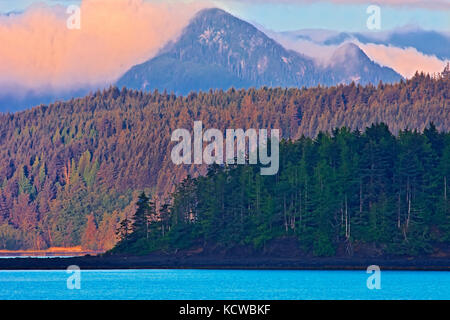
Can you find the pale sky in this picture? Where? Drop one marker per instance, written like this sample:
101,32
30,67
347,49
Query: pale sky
341,15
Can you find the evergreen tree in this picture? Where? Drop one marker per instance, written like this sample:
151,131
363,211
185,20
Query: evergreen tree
140,226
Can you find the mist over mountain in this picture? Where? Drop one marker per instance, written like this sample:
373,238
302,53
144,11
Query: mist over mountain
22,99
218,50
349,63
429,42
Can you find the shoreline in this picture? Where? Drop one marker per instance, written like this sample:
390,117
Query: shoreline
76,251
257,263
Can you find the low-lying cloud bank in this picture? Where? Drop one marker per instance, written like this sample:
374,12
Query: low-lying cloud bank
39,52
405,61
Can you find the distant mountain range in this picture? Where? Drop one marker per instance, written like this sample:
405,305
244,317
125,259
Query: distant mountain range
428,42
217,50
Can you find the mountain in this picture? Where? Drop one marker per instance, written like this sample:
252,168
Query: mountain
349,63
218,50
429,42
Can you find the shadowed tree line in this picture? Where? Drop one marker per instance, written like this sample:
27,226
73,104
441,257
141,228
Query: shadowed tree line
371,193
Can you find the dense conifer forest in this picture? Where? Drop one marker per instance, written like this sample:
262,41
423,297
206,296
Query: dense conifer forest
340,192
72,172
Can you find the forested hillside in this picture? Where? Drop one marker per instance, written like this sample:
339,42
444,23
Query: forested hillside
71,171
348,191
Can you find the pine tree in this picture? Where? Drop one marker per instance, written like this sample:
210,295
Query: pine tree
140,226
124,230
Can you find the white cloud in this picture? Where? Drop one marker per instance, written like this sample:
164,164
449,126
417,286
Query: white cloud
39,52
405,61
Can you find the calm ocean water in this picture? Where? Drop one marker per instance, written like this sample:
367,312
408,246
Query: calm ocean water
223,284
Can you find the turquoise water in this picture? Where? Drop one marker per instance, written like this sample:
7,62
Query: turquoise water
223,284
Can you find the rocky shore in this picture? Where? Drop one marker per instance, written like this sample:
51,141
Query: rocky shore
211,262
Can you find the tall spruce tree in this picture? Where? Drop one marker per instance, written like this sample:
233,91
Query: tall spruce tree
140,226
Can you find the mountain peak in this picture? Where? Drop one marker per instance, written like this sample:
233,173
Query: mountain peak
217,23
348,51
352,64
218,50
210,12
